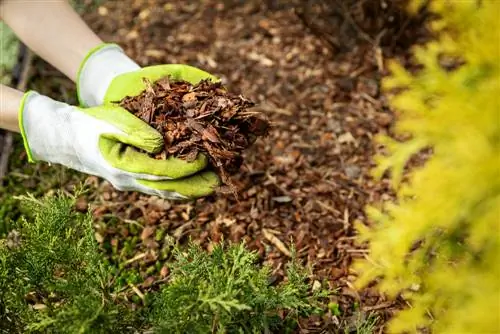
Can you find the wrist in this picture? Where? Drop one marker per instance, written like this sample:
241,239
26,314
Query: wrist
10,100
101,65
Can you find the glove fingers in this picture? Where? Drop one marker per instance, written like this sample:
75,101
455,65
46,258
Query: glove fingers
127,158
135,131
177,72
131,84
199,185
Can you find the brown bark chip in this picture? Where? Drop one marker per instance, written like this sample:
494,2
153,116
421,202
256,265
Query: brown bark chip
202,118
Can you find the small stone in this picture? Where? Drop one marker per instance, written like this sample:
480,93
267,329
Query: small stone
103,11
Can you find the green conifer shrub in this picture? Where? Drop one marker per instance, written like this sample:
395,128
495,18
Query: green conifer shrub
53,279
225,292
439,243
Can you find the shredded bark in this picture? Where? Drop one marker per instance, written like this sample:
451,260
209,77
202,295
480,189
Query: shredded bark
202,118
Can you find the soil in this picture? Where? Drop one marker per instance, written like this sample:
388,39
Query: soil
314,69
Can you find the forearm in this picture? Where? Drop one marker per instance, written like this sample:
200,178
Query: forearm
10,101
52,30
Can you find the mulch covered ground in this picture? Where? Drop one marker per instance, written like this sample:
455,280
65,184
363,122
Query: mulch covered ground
314,68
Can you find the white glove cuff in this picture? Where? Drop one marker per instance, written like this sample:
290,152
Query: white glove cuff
97,71
40,118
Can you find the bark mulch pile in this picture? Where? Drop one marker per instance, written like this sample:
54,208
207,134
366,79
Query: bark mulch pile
200,118
309,180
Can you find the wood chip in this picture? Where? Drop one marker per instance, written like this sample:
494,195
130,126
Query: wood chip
202,118
276,242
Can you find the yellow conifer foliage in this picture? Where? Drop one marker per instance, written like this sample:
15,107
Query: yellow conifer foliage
439,244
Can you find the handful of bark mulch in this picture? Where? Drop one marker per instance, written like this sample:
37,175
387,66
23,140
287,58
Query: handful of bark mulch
202,118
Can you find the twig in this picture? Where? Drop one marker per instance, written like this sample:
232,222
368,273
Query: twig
135,258
348,17
137,291
276,242
327,207
181,230
302,15
378,306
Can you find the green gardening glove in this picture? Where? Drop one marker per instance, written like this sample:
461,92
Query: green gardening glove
107,75
104,141
131,84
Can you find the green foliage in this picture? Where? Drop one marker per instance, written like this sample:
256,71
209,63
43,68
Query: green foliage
9,48
85,6
439,243
53,279
362,324
225,292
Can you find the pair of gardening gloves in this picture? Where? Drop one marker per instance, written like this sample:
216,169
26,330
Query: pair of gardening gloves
102,139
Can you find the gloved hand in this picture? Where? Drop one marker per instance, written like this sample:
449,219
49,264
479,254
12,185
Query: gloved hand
104,141
108,75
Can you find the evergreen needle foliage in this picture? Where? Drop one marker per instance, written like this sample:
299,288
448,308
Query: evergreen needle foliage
53,279
440,243
226,292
